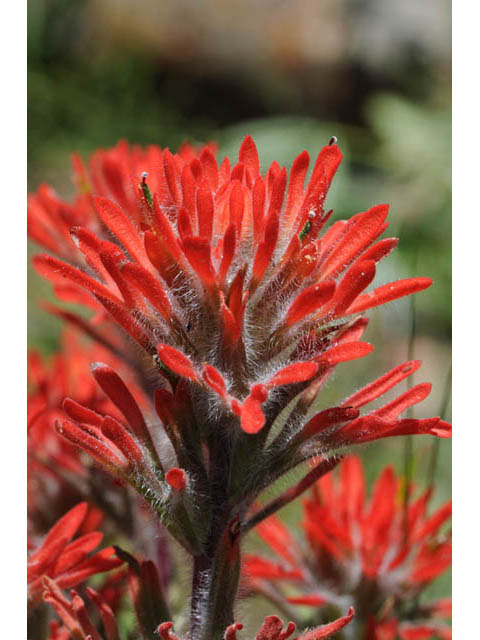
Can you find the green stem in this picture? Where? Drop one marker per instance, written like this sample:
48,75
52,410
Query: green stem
436,443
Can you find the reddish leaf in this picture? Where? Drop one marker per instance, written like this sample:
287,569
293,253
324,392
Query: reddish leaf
248,155
177,362
308,301
293,373
345,352
360,234
327,630
198,254
357,278
252,418
383,384
121,226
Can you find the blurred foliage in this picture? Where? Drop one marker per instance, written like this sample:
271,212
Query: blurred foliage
89,86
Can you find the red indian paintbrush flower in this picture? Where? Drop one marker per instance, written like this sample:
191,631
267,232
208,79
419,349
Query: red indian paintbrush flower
238,304
59,473
372,553
221,278
68,563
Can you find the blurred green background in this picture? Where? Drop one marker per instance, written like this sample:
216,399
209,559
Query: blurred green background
375,73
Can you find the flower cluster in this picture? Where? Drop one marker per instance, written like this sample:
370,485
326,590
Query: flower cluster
223,304
376,554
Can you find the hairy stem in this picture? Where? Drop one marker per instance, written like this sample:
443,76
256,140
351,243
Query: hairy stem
216,571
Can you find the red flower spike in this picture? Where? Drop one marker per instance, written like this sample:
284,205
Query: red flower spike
294,373
209,227
177,479
359,543
308,301
389,292
67,563
177,362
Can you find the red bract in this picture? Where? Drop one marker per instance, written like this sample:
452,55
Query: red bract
369,552
66,561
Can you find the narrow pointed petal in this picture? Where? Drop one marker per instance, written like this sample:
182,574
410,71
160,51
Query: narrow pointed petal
309,301
327,630
389,292
293,373
177,362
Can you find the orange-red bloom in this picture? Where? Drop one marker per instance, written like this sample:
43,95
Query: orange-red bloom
66,561
222,278
360,551
234,302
